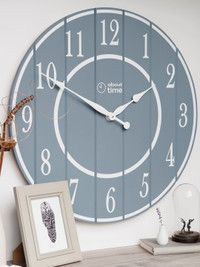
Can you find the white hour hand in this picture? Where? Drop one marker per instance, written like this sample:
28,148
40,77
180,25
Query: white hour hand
135,98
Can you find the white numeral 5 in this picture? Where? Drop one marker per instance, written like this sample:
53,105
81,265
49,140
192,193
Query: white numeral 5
145,186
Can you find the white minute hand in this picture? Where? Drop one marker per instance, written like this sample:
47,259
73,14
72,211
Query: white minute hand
92,104
135,98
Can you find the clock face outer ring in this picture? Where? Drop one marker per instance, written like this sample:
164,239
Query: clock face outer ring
12,103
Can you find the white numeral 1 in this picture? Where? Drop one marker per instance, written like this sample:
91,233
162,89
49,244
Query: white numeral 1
45,166
75,183
110,201
170,156
145,36
145,186
69,44
27,117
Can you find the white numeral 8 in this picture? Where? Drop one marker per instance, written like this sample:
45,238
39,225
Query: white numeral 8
45,166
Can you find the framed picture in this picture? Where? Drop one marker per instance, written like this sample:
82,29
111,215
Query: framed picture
47,224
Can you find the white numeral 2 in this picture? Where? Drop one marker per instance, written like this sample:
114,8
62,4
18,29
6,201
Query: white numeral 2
170,156
27,117
145,186
45,166
110,201
171,73
75,183
114,27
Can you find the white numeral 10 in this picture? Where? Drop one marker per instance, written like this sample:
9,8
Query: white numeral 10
45,166
170,156
50,72
27,117
145,186
74,182
110,201
114,28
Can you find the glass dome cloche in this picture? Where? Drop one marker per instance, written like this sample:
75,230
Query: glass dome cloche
186,198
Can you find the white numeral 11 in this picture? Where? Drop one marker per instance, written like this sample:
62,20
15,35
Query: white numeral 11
69,44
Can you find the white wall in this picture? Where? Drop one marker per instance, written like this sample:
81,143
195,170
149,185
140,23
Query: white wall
21,21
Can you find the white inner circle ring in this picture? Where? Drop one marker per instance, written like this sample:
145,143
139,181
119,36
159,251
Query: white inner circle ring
56,124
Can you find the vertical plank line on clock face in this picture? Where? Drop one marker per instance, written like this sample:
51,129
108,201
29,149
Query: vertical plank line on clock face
123,118
66,98
34,117
176,111
150,107
95,121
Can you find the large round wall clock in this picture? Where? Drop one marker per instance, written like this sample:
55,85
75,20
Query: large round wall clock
114,112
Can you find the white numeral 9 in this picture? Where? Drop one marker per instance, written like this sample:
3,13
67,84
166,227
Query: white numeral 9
183,120
110,201
170,156
45,166
145,186
171,73
27,117
114,27
75,183
50,72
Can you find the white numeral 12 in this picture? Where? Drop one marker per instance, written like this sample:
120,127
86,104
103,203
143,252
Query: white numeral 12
75,183
114,27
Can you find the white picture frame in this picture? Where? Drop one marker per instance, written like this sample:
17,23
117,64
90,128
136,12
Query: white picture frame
47,224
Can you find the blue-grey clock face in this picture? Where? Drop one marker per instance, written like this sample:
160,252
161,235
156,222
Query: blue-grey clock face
118,161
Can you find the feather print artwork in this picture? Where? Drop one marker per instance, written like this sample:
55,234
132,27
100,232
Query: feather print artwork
48,219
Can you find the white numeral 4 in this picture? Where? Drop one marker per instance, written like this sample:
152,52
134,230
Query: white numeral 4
74,182
110,201
170,156
145,186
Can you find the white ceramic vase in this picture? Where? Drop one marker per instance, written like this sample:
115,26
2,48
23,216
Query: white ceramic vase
2,244
162,237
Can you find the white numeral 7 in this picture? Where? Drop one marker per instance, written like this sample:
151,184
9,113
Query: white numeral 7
75,183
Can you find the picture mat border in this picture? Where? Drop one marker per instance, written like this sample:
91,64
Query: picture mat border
23,197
